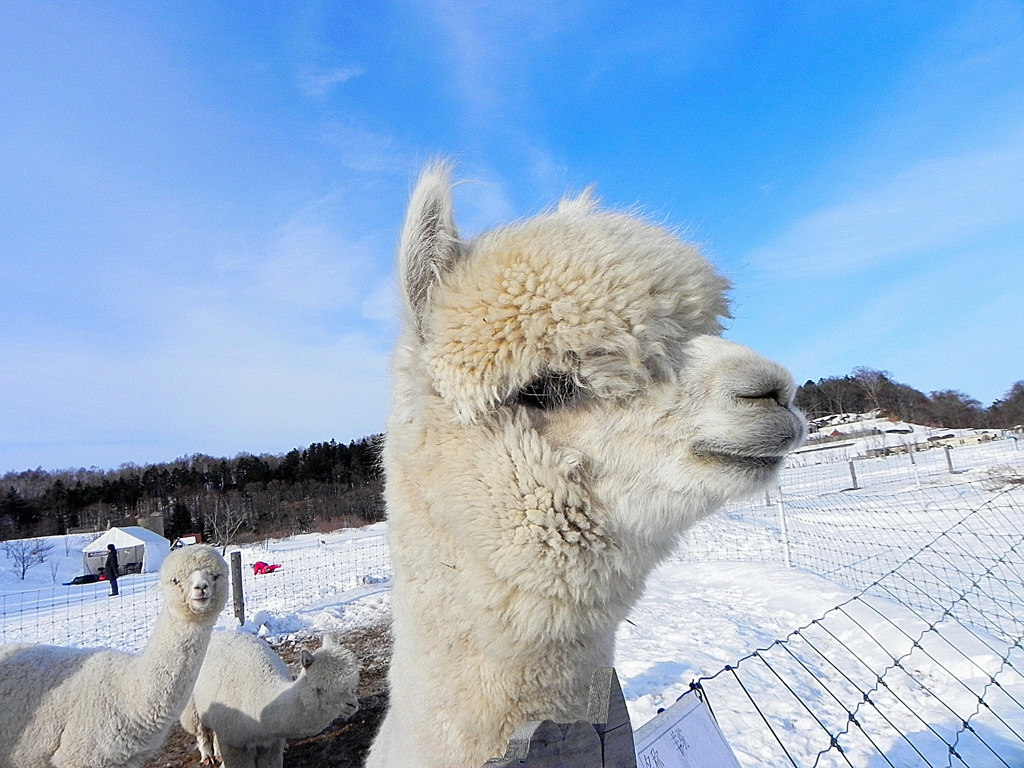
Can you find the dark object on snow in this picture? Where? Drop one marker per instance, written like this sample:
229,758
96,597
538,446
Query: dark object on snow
89,578
260,567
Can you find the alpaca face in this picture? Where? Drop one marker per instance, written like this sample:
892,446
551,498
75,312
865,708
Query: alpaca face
195,582
592,336
328,680
718,429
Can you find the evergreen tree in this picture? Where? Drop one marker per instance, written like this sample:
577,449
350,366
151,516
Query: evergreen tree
19,513
1008,412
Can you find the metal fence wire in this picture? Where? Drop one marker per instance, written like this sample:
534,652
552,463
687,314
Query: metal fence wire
924,666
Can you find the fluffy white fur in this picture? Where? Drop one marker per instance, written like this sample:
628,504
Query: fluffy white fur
246,705
563,409
88,708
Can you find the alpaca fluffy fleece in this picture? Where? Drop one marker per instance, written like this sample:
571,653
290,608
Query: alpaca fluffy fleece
563,409
245,704
88,708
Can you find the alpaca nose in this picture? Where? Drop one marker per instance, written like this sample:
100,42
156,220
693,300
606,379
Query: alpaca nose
776,395
771,387
351,705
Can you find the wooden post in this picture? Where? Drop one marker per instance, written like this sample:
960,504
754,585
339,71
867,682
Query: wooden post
949,459
784,531
607,742
236,587
853,476
607,711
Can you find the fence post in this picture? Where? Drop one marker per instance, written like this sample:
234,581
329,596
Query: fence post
783,529
606,710
606,742
236,587
853,476
949,458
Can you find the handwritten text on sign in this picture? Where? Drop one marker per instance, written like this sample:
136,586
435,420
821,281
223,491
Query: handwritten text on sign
683,736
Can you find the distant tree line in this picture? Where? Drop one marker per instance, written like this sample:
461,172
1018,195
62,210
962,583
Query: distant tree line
328,485
867,389
322,487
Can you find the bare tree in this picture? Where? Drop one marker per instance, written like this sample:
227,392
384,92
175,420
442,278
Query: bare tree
24,554
225,520
872,383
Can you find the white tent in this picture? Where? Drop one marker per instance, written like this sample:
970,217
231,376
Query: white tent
139,550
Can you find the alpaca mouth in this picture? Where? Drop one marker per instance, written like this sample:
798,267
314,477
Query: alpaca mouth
199,604
740,461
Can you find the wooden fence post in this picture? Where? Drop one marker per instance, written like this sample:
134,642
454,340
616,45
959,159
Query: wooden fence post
236,587
606,742
607,711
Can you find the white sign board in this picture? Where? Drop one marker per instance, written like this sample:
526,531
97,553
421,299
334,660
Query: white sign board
683,736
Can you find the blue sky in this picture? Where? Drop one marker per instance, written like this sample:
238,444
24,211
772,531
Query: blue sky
200,201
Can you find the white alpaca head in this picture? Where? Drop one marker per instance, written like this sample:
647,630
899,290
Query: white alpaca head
194,581
589,341
327,681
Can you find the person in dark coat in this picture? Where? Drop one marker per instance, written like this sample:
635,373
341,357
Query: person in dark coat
110,568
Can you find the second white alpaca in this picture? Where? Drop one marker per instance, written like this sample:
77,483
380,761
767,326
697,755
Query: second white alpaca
246,705
88,708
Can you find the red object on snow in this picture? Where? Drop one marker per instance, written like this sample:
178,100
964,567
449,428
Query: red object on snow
260,567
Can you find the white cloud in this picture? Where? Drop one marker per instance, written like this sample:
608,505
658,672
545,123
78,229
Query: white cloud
365,151
490,45
930,205
319,84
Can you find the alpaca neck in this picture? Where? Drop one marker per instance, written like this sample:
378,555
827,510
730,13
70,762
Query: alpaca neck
163,676
286,715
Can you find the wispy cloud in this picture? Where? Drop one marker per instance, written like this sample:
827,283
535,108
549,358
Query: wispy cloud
933,204
319,84
362,150
486,44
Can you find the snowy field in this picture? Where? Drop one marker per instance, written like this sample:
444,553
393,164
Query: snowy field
724,596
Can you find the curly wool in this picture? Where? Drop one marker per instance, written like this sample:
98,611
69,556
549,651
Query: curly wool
563,409
91,708
245,705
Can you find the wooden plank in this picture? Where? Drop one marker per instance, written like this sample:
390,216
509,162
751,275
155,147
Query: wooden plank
547,744
606,742
238,598
607,711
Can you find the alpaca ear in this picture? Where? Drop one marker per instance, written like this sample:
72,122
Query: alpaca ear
329,641
306,658
430,244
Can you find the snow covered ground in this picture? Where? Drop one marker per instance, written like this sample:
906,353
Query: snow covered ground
716,604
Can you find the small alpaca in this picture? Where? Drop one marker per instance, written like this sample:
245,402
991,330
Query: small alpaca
92,708
245,704
563,409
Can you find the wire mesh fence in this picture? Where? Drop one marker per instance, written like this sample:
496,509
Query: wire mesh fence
925,665
314,571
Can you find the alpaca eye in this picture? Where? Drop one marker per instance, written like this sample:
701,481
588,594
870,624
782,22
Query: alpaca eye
552,390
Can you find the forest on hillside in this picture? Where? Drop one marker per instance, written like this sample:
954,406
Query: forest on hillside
322,487
329,485
867,389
